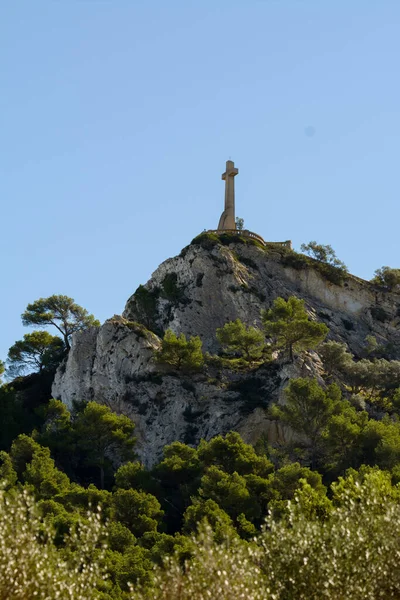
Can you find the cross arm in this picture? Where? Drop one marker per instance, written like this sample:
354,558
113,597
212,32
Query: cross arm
230,173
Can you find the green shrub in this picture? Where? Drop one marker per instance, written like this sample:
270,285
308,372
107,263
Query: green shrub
247,341
30,564
333,274
324,254
171,289
288,323
231,238
146,305
140,330
180,353
295,260
335,356
351,555
387,278
215,571
205,240
347,550
380,314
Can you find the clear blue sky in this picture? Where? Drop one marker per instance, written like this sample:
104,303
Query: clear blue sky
117,117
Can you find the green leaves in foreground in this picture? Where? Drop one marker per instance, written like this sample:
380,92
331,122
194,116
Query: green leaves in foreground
343,549
30,564
351,553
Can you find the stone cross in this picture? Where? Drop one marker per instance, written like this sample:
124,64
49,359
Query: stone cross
227,220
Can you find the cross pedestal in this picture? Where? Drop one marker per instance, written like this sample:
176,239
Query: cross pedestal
227,220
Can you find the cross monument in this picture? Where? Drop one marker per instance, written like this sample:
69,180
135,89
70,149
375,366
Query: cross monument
227,220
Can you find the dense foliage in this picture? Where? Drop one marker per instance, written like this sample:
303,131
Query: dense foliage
349,551
342,547
313,515
151,515
31,564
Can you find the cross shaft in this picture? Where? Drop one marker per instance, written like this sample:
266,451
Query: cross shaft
227,220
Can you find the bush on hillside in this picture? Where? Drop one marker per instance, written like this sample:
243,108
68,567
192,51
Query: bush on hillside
387,278
348,551
30,564
180,353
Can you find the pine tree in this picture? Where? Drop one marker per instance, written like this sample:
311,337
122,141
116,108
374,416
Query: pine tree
290,326
178,352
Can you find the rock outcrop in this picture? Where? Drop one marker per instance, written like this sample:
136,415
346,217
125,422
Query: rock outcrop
208,284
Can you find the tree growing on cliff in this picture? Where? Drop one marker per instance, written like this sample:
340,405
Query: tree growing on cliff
288,323
62,312
372,377
104,435
38,350
180,353
323,253
146,304
335,356
307,411
387,278
239,223
248,341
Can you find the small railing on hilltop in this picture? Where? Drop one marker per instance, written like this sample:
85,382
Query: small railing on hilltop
253,236
287,244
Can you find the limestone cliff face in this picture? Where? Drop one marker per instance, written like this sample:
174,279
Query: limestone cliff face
195,293
223,283
103,360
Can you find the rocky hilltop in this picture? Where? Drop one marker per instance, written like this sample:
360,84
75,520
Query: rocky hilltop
213,281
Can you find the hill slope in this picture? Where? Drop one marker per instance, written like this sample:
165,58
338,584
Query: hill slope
211,282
